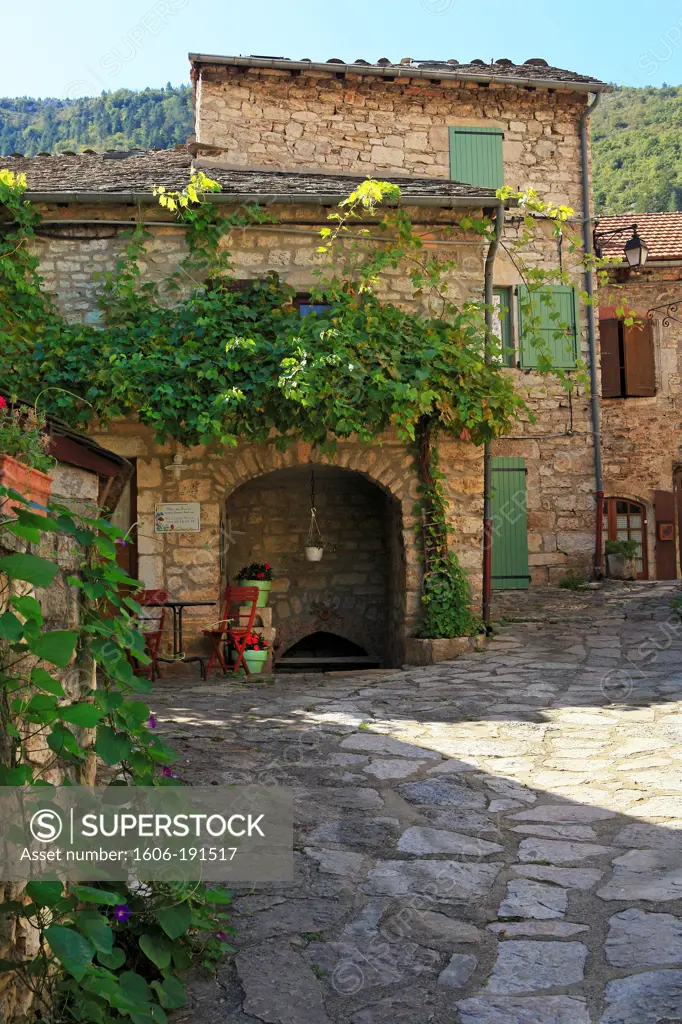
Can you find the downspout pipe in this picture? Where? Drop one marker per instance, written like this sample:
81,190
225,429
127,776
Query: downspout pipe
488,283
588,246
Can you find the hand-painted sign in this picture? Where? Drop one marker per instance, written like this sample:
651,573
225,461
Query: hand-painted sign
177,517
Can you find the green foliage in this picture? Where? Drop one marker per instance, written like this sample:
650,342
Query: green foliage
22,436
446,597
115,120
626,548
105,954
637,150
208,362
573,581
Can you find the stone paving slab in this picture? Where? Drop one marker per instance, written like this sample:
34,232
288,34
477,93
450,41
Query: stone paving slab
494,840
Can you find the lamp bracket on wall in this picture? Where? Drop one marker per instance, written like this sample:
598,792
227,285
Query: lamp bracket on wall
671,308
635,249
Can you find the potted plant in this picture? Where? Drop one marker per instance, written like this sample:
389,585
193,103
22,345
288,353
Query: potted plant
313,552
257,574
24,462
255,653
620,559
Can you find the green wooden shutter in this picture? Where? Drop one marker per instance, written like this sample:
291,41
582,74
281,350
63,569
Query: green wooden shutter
476,156
510,524
555,313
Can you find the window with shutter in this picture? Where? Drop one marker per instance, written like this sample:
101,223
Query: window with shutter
554,309
627,358
476,156
611,359
638,357
502,323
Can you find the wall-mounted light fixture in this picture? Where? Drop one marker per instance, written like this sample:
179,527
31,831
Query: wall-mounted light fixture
635,249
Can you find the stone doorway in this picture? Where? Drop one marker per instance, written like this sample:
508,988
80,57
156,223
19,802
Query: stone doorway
355,594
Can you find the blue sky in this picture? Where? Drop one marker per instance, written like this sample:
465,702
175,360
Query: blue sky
70,48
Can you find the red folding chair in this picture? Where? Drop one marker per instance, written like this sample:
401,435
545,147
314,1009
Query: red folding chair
151,624
224,630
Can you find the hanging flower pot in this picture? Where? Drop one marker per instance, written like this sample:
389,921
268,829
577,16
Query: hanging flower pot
314,547
257,574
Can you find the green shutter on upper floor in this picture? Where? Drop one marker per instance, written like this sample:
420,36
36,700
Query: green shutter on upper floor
557,325
476,156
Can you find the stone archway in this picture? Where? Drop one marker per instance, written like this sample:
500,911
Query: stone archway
357,591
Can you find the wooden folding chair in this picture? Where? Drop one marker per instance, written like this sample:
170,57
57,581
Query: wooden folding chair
224,630
151,624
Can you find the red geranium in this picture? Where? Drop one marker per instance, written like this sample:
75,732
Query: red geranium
3,403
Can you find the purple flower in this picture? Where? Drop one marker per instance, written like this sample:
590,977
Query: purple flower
151,722
122,912
121,541
167,772
223,937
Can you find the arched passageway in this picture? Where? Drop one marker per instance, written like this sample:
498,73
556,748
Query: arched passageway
355,594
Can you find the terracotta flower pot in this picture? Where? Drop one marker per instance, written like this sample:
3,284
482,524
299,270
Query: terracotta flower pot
32,483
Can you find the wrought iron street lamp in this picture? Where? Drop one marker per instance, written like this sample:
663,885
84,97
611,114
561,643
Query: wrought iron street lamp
635,248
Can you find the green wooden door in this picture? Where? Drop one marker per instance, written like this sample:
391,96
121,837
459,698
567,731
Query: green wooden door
510,524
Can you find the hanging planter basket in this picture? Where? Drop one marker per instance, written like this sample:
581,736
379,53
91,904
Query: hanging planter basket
314,545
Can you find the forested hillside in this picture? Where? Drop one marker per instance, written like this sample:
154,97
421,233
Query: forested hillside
637,136
114,120
637,150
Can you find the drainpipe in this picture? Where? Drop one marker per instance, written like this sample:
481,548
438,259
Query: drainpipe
591,341
488,282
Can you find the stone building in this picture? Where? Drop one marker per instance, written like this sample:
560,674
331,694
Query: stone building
641,373
298,136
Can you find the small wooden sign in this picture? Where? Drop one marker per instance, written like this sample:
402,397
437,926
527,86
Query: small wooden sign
177,517
666,531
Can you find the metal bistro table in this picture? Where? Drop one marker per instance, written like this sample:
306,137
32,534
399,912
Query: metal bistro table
177,607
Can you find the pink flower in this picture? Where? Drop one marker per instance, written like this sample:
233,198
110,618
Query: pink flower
3,403
167,772
223,937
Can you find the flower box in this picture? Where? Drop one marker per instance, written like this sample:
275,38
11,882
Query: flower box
32,483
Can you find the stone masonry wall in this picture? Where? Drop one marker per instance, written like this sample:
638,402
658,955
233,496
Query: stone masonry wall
366,125
557,446
189,564
641,436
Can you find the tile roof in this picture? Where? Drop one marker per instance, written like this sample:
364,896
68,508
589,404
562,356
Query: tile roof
662,233
114,175
533,72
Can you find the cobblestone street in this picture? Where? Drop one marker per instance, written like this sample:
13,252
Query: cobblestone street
494,840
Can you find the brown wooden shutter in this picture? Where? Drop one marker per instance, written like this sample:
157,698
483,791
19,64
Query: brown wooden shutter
610,359
666,550
638,343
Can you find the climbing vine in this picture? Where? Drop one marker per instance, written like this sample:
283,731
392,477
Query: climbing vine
105,951
200,360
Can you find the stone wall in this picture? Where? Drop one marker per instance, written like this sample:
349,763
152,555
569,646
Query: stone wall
557,446
366,125
641,436
190,564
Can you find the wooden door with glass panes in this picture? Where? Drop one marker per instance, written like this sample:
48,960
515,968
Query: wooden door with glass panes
626,520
